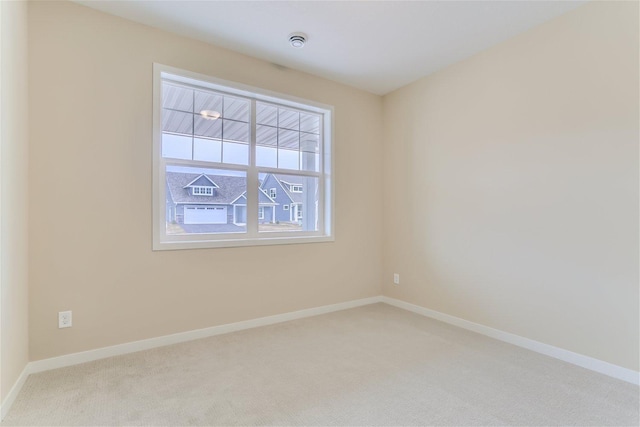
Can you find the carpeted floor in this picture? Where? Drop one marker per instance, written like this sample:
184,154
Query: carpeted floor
373,365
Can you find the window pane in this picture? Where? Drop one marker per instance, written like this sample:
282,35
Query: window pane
235,153
294,206
177,97
177,122
309,142
288,159
176,146
208,150
266,114
235,131
236,109
310,123
208,128
288,119
288,139
309,161
207,101
218,204
266,135
266,156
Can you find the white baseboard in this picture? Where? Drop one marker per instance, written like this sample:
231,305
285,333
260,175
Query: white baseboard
13,393
131,347
587,362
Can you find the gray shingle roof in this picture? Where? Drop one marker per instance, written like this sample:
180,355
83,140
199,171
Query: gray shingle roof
286,181
230,188
263,199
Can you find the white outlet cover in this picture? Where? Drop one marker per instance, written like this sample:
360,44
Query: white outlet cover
396,278
65,319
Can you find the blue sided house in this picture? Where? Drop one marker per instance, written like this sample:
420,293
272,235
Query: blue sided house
286,191
197,198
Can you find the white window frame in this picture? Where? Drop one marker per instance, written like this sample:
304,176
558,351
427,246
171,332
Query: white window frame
252,237
296,188
202,190
273,193
285,207
260,212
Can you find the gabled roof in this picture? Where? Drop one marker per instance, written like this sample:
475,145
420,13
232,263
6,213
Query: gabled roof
285,184
263,199
228,188
202,181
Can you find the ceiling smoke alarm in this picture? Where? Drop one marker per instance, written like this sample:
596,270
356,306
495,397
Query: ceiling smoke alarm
297,40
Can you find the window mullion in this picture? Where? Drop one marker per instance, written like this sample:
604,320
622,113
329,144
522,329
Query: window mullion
321,180
252,178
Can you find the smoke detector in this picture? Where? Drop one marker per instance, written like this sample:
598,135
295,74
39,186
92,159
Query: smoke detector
297,40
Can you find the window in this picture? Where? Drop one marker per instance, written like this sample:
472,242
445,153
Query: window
203,191
211,139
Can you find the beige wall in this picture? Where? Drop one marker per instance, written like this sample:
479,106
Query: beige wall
90,193
511,186
510,189
14,182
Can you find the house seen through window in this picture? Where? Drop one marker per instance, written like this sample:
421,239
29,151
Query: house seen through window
236,167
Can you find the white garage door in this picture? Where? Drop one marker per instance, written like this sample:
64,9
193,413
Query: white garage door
205,215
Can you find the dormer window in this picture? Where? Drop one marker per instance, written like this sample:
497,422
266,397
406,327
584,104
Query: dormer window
202,191
296,188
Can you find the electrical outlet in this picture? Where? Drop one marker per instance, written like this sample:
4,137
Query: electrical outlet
396,278
64,319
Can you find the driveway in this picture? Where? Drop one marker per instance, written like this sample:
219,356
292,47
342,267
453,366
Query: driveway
212,228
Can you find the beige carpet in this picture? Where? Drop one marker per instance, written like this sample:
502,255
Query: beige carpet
374,365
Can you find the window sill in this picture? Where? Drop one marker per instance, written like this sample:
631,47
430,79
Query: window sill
266,241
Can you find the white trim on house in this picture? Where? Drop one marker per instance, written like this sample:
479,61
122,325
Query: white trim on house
236,199
291,185
202,190
275,176
273,202
235,218
293,212
581,360
214,185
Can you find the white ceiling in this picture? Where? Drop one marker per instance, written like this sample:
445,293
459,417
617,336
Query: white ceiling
377,46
